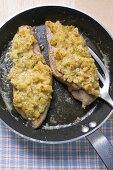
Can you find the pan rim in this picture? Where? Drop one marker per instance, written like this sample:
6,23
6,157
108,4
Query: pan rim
56,5
74,139
58,142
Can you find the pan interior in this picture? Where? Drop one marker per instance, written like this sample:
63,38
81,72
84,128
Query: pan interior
64,109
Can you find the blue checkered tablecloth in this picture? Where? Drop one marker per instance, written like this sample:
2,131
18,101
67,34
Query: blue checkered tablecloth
17,153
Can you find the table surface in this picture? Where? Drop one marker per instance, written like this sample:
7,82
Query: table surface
17,153
101,10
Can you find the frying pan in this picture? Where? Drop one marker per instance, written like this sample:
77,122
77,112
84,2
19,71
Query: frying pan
66,120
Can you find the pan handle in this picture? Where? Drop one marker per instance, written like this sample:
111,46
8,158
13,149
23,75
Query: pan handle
103,147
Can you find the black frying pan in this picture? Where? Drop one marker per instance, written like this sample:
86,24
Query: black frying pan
66,120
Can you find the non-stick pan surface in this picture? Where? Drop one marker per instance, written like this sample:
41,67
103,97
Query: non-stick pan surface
66,118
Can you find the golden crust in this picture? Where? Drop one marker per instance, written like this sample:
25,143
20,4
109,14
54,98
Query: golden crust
30,76
72,58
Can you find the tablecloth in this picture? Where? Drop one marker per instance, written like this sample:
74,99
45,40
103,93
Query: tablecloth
17,153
